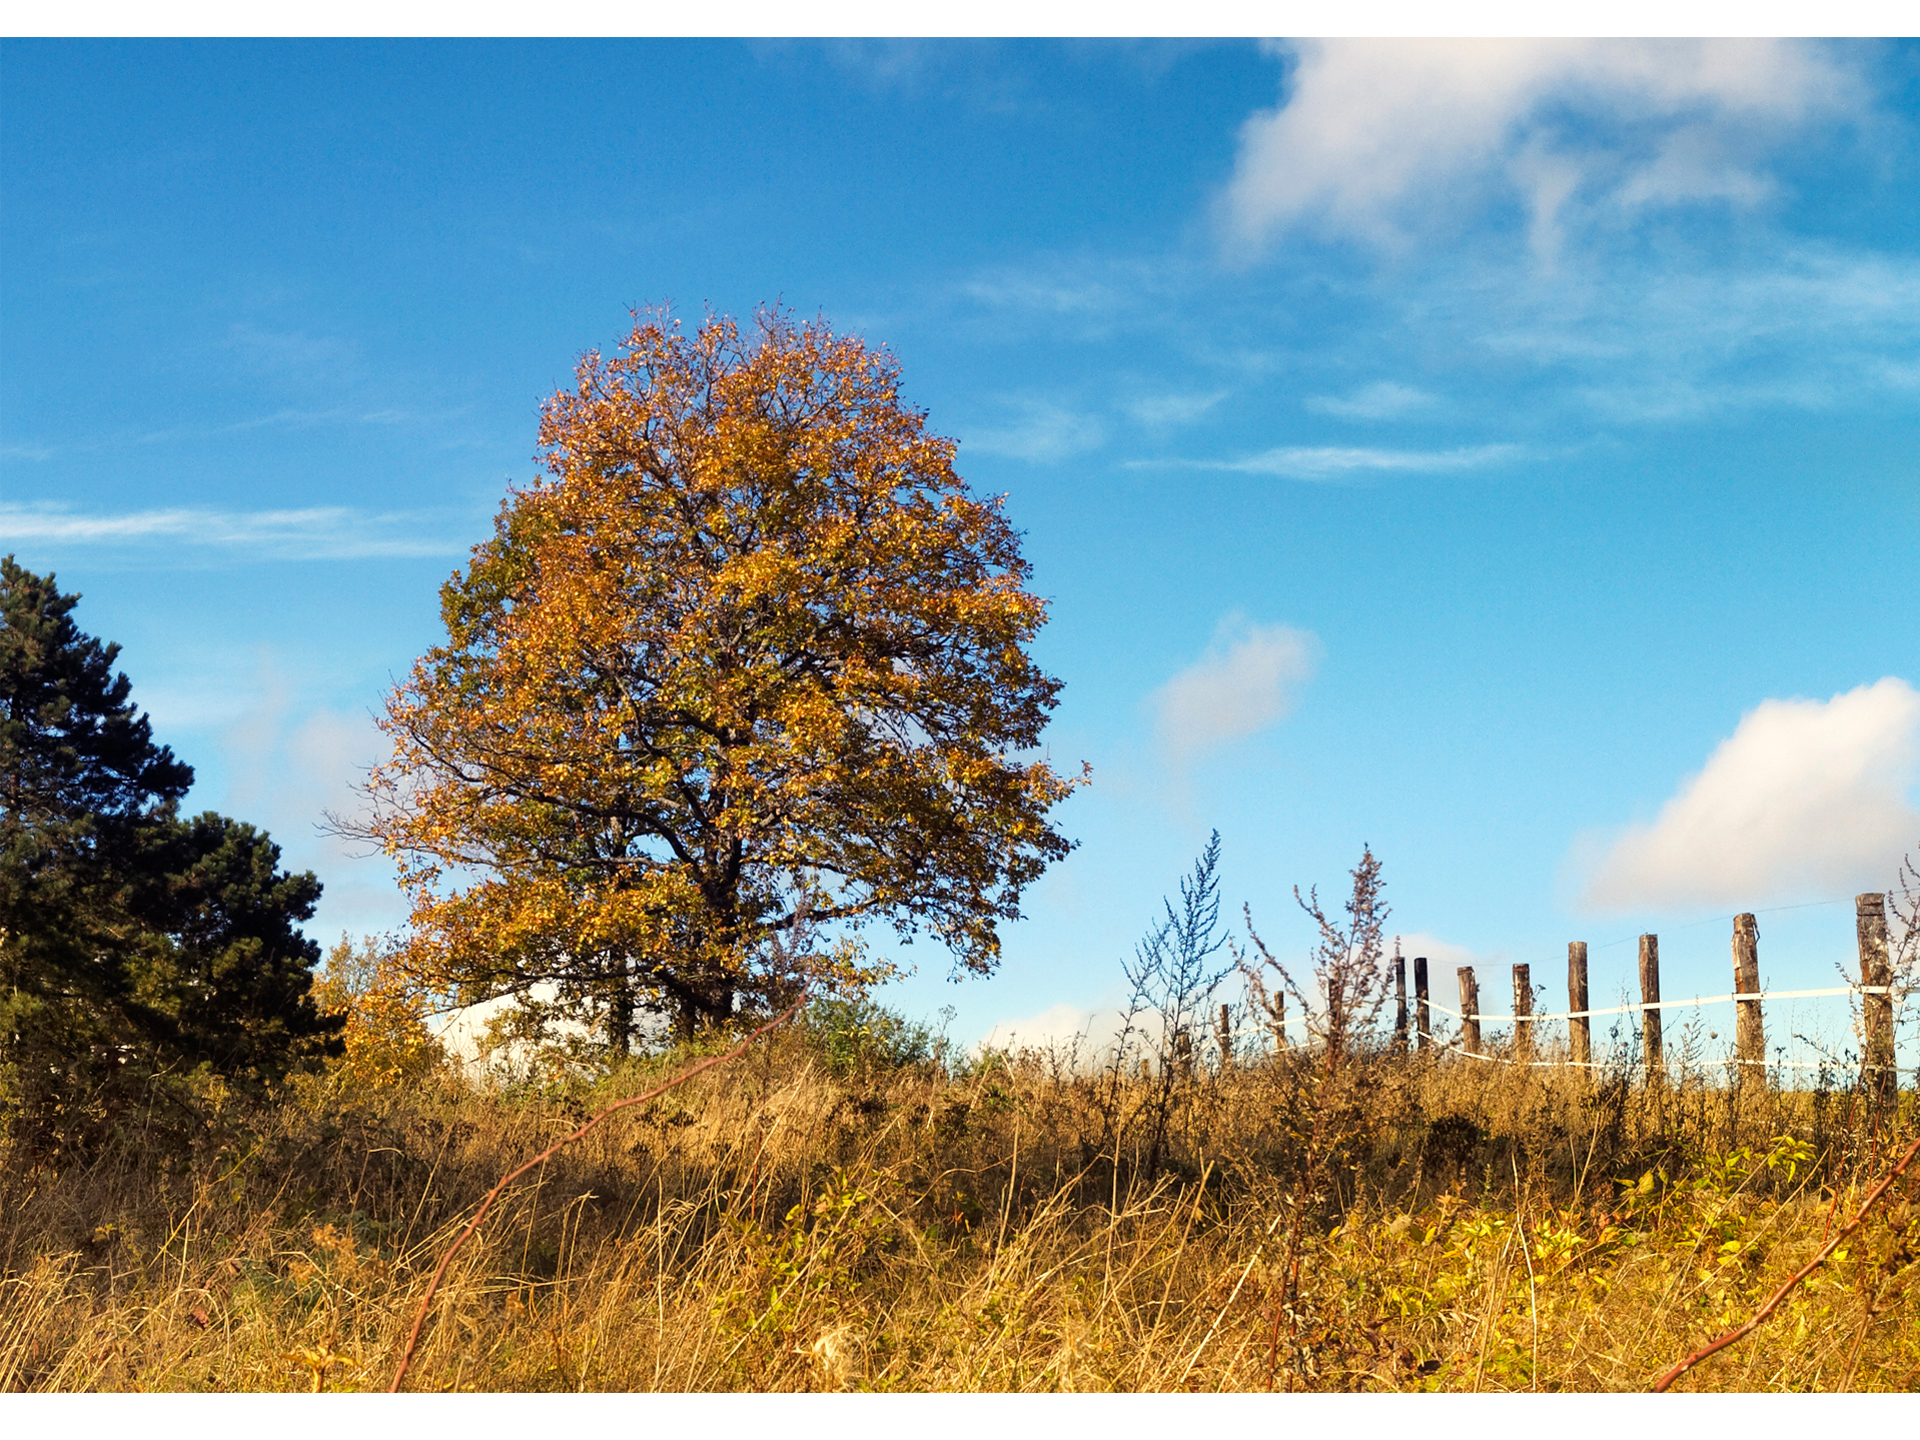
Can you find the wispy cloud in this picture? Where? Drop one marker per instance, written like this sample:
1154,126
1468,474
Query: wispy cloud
331,532
1382,400
885,64
1806,326
1064,1028
1337,463
1441,955
961,75
1050,295
1174,409
1074,1033
287,765
1805,798
1088,296
296,356
1040,431
1248,679
1614,335
1378,138
284,419
278,420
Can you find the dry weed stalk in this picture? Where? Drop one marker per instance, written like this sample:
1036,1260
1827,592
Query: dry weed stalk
1349,971
1172,979
1350,979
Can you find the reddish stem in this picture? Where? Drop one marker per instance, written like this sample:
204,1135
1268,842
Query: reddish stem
1740,1332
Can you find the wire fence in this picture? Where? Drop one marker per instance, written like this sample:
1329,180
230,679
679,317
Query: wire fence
1642,1006
1887,966
1240,1037
1665,1004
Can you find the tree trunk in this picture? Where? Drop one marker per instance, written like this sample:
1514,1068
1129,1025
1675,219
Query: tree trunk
697,1006
620,1018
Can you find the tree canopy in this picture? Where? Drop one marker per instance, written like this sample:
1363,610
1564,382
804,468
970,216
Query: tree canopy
132,942
751,658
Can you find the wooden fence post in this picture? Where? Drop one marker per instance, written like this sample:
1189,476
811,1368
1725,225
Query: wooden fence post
1650,1046
1523,1013
1750,1039
1278,1015
1876,1011
1182,1055
1422,1017
1400,1004
1580,1025
1469,1011
1226,1038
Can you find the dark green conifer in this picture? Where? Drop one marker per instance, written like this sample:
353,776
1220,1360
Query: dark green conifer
137,950
227,965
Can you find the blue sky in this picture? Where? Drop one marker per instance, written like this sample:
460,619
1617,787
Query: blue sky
1504,454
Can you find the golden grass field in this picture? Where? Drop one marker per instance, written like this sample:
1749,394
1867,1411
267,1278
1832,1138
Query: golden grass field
812,1216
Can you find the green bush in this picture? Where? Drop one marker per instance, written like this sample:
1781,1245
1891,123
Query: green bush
858,1036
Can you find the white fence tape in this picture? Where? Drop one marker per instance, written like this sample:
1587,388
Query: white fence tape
1293,1021
1484,1017
1835,1066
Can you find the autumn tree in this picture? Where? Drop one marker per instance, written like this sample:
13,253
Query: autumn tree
750,659
386,1036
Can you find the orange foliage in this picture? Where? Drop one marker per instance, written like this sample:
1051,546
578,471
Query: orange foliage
386,1036
752,659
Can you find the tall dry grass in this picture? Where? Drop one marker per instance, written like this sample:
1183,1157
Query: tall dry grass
812,1218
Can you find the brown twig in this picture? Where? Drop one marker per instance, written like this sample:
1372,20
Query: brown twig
1773,1301
433,1286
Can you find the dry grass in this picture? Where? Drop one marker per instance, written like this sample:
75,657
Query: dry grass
773,1226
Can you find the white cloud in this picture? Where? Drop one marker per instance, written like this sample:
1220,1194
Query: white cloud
1173,409
286,775
293,355
1045,294
1072,287
1382,400
283,419
1442,955
886,64
1336,463
1248,679
1807,798
326,532
1812,327
1379,135
1042,432
1444,959
1087,1037
1061,1027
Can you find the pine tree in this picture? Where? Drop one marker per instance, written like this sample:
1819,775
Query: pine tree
132,943
223,960
81,775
